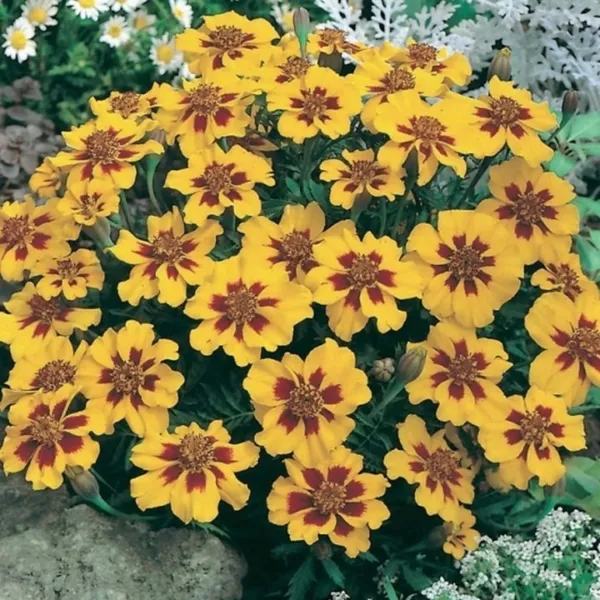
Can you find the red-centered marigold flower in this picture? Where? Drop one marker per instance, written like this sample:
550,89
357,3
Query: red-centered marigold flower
429,462
168,262
303,406
506,116
290,243
283,67
533,204
207,108
192,470
320,101
130,105
46,179
359,174
358,279
124,377
461,374
216,180
470,264
45,435
333,499
328,40
459,535
244,309
525,435
105,148
87,201
29,232
228,40
569,332
31,321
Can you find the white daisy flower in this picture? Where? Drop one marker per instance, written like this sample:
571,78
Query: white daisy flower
182,11
39,13
115,32
126,5
142,20
164,55
18,40
88,9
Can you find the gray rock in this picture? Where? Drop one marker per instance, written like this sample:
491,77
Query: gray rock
51,552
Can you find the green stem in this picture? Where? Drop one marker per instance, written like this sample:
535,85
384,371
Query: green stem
102,505
305,172
382,215
483,165
150,172
410,183
395,387
126,212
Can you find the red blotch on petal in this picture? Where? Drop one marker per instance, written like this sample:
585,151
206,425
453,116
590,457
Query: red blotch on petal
297,501
195,481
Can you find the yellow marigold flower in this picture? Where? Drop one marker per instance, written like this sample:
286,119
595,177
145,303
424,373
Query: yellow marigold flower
28,232
170,261
460,537
46,179
255,140
327,40
207,108
227,40
533,204
360,173
87,201
379,79
283,67
31,321
358,279
70,276
461,374
47,371
303,405
130,105
290,243
470,263
333,499
428,461
244,309
430,130
562,272
506,116
192,470
525,435
124,377
215,180
569,332
45,435
321,101
105,147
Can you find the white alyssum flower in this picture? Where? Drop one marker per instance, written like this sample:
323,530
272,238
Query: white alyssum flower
18,40
88,9
164,55
116,32
40,13
182,11
142,20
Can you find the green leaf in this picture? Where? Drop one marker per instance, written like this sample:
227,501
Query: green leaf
302,580
561,164
334,572
389,589
585,126
417,580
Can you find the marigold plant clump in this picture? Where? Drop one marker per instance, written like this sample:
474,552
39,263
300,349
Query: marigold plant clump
268,240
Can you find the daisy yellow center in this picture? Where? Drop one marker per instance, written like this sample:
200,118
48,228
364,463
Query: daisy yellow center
441,465
529,207
427,129
228,37
505,111
585,343
18,40
533,428
363,171
178,12
329,498
398,79
37,15
314,102
115,30
296,247
16,230
463,369
127,377
567,278
465,263
126,103
241,305
167,248
205,98
363,272
420,55
141,22
305,401
102,145
87,3
218,178
43,310
196,452
53,375
294,67
165,53
45,430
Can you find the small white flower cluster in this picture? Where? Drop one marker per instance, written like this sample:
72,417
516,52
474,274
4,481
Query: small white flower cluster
339,596
563,556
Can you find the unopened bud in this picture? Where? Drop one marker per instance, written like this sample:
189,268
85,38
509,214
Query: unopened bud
332,61
83,482
322,550
383,369
411,165
437,536
501,66
301,20
99,232
411,364
570,103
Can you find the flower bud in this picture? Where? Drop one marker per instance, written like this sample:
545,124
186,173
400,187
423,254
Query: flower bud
83,482
570,103
322,550
411,364
333,61
383,369
411,165
501,65
301,20
99,232
437,536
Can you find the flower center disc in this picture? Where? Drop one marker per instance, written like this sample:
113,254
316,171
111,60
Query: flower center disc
45,430
127,377
217,178
528,208
533,428
196,452
329,498
295,67
101,146
44,310
505,111
465,263
54,375
398,79
228,37
16,231
568,278
66,268
241,305
585,343
296,247
441,465
205,98
363,272
305,401
427,129
363,171
167,248
420,55
463,369
126,103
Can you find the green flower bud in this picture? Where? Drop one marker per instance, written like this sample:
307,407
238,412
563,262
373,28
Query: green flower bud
301,20
383,369
501,65
411,364
83,482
